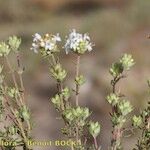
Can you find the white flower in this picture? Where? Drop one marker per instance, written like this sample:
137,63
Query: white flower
78,42
37,37
57,38
47,43
35,47
42,44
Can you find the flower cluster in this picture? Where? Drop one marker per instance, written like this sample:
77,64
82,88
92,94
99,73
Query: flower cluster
13,92
127,61
137,121
57,101
78,114
4,49
66,93
80,80
46,44
112,99
124,64
124,107
24,113
58,72
94,128
13,44
78,43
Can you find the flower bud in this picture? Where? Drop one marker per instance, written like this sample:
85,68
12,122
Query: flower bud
112,99
14,42
86,113
4,49
13,92
125,107
78,114
116,69
66,93
127,61
69,115
81,112
118,120
56,101
94,129
137,121
80,80
24,113
58,72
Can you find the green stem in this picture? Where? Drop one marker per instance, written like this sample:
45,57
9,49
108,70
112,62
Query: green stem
53,59
60,87
77,93
95,144
20,79
12,72
77,74
116,133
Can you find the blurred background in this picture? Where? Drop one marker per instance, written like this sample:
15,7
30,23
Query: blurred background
115,27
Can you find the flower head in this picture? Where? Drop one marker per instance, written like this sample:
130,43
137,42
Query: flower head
94,129
46,44
112,99
79,43
4,49
127,61
137,121
79,114
58,72
14,43
37,37
125,107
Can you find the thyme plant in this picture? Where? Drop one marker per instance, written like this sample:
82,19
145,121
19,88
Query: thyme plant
121,107
15,116
76,118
